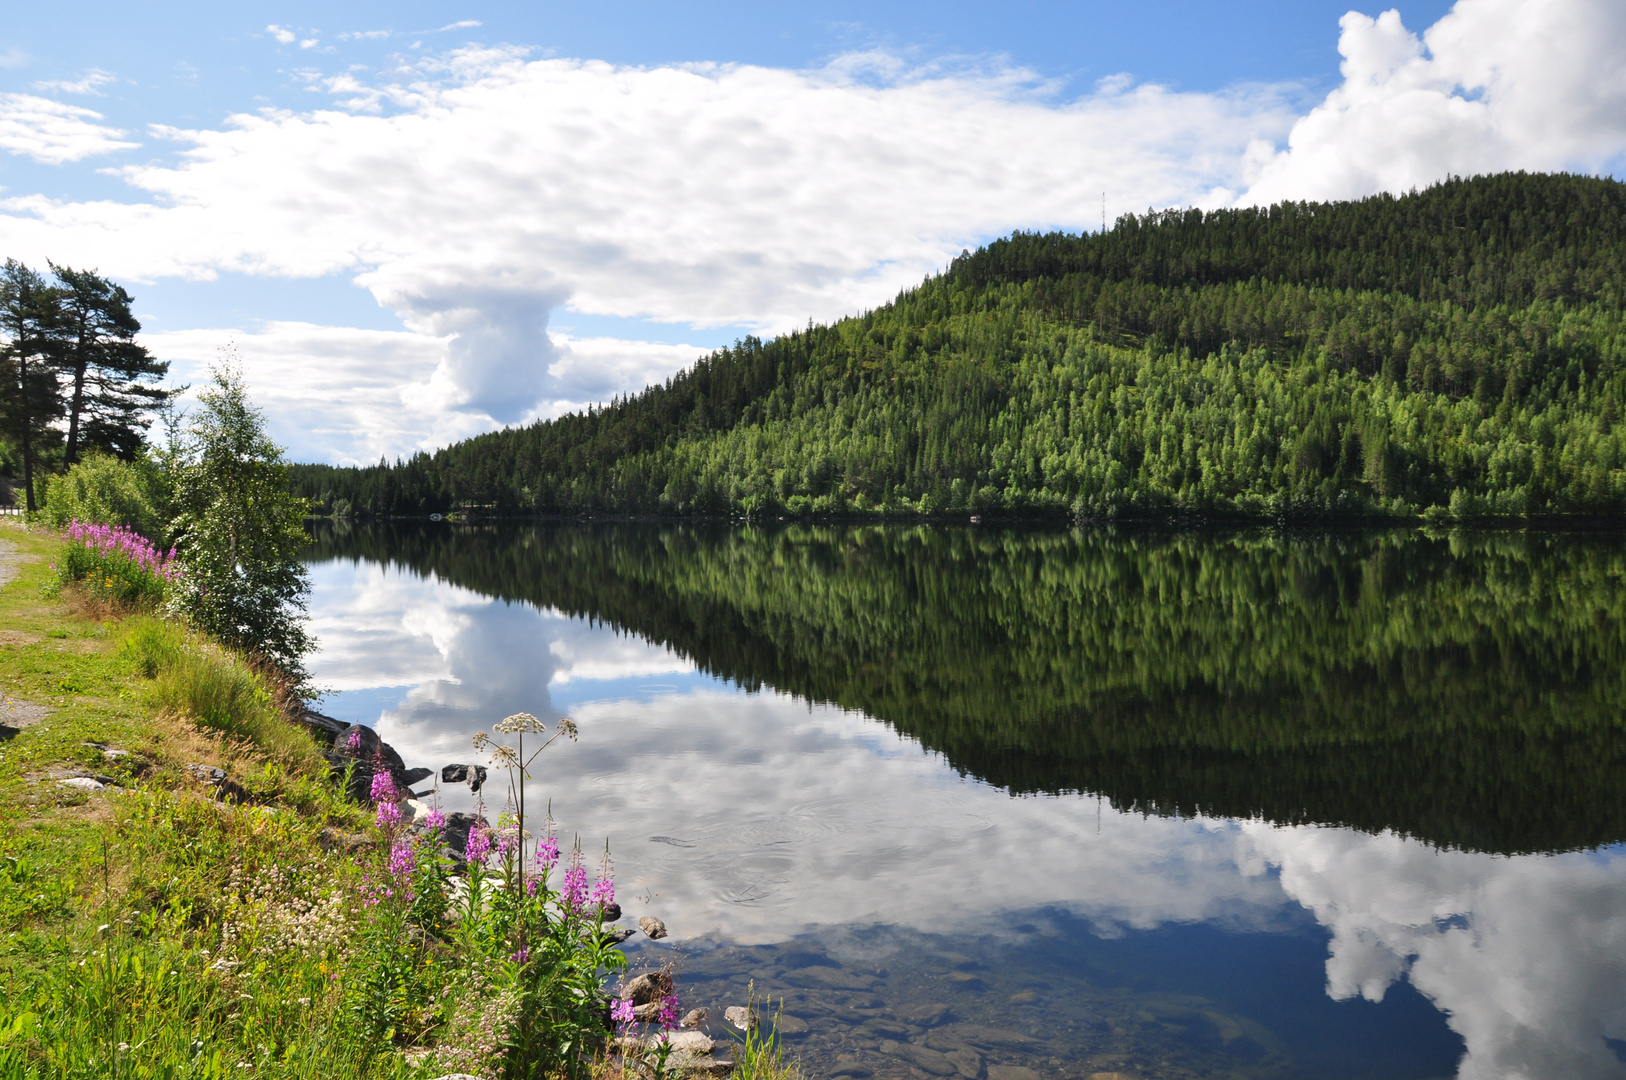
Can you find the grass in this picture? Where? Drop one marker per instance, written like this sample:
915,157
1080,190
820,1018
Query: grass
155,930
116,908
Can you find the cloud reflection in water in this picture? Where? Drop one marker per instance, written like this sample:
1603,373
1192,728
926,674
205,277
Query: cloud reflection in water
755,818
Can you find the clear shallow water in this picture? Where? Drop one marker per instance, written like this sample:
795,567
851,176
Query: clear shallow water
1007,801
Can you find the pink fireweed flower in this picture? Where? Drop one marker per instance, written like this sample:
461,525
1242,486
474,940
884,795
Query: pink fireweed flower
383,786
604,887
403,859
668,1016
547,853
388,814
478,846
623,1012
434,819
521,955
354,741
573,893
505,844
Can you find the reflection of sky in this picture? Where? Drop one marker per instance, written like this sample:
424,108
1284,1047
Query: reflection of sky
756,817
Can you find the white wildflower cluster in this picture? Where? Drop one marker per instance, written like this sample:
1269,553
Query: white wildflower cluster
273,912
479,1027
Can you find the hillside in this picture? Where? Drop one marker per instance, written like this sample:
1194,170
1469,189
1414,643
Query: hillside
1456,351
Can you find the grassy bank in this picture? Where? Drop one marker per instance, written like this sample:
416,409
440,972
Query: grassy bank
185,894
119,906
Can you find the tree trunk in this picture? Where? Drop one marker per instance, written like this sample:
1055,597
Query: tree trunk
73,413
28,439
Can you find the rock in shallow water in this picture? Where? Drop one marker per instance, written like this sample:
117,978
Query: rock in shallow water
740,1017
652,926
648,987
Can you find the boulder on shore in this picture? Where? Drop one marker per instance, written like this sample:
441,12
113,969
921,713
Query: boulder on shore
359,750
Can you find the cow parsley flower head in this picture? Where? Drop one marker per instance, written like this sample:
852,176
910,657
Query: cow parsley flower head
522,723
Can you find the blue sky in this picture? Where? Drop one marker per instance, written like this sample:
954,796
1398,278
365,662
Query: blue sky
415,222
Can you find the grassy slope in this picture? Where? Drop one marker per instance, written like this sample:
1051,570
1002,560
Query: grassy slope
110,903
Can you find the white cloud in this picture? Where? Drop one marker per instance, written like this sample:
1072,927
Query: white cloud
500,188
474,193
353,396
14,58
86,84
1494,85
52,133
465,24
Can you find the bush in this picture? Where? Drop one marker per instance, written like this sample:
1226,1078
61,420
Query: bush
114,564
241,534
102,490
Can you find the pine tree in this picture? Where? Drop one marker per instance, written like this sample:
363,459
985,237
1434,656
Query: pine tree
111,377
32,392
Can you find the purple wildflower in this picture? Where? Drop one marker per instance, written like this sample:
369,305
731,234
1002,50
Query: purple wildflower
668,1016
604,887
505,844
479,845
354,741
623,1012
573,893
522,955
434,819
547,853
403,859
388,814
383,786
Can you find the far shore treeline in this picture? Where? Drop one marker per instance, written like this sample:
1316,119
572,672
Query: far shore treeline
1455,352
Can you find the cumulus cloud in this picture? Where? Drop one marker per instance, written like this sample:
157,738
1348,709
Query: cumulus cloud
352,396
282,34
52,133
490,189
1494,85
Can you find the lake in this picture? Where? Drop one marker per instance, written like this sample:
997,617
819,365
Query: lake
1003,803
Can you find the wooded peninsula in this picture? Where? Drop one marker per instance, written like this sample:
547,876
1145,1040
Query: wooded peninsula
1452,353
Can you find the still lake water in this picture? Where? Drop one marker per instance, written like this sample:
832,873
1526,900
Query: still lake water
1002,804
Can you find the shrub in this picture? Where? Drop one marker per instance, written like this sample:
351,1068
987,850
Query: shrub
240,533
112,563
102,490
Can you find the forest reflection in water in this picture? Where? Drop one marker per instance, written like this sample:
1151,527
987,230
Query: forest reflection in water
1314,740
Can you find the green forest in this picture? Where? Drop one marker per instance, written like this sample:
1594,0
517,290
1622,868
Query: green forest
1465,688
1454,353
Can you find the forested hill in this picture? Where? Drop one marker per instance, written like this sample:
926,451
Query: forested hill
1457,351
